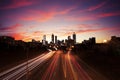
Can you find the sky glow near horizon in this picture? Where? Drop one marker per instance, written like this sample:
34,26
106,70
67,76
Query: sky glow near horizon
31,19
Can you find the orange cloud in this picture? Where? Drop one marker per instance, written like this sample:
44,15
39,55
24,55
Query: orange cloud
13,31
18,36
26,36
37,35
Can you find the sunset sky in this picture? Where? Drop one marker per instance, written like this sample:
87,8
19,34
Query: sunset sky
31,19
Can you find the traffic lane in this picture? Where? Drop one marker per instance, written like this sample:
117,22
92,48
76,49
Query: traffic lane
22,70
72,69
50,70
65,67
53,71
9,71
60,67
95,75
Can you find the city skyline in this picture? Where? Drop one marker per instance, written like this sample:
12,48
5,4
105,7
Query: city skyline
59,39
31,19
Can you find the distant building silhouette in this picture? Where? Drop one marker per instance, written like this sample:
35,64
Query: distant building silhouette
69,37
7,39
74,37
70,42
52,37
55,39
44,40
91,41
33,40
114,38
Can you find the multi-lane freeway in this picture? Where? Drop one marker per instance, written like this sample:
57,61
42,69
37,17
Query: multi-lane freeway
21,70
54,65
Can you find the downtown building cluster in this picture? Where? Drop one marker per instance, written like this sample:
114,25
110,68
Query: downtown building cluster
70,41
9,43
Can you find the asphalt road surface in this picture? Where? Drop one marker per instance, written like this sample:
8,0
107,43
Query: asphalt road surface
55,65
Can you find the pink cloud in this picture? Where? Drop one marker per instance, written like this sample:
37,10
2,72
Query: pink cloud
82,18
87,18
47,16
13,31
18,3
117,13
82,27
39,15
80,31
27,18
91,30
115,30
92,8
66,11
42,16
92,16
13,27
86,28
98,29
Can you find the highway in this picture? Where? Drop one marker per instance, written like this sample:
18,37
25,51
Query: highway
55,65
21,70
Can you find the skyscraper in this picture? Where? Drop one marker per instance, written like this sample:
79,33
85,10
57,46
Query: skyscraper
55,39
74,37
52,37
92,40
44,37
44,40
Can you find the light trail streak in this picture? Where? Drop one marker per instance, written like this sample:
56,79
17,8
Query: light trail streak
20,70
51,69
59,66
70,68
